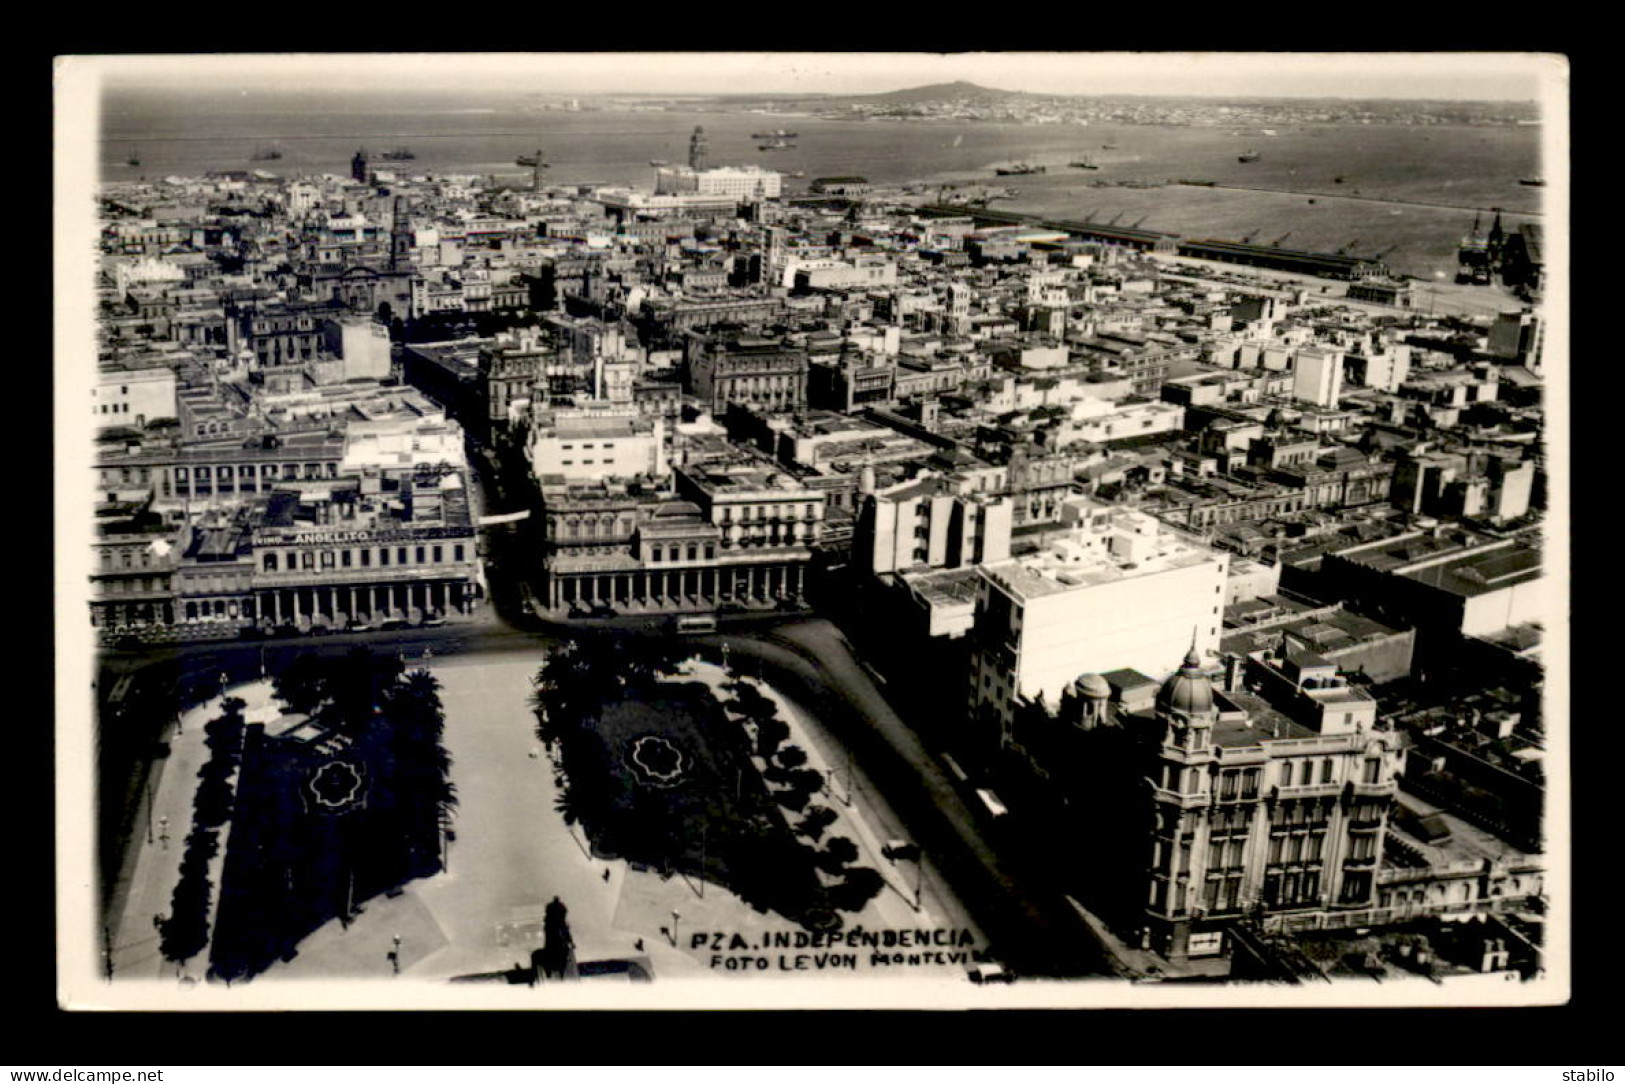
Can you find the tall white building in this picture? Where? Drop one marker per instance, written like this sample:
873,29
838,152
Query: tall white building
1317,376
1119,590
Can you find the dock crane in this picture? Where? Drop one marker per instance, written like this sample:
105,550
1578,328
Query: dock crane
1115,217
1277,242
1142,218
1344,250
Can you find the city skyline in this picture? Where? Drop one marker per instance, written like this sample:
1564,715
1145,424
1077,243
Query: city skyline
1349,76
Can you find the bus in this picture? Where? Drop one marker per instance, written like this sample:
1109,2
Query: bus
691,624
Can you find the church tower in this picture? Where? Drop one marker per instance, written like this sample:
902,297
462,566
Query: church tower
358,166
699,149
400,235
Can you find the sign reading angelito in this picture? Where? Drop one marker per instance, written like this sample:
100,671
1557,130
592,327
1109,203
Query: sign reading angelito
737,952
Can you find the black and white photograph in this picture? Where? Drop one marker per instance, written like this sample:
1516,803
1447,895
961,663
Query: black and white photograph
811,530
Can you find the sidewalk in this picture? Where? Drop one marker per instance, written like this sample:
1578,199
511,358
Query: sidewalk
135,939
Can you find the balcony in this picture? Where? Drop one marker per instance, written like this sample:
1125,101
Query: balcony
1181,799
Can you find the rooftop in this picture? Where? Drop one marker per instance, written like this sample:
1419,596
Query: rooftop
1479,573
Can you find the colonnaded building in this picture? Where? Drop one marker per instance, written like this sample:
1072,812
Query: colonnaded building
731,532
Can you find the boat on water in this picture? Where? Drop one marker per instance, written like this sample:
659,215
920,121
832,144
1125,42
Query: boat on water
1194,183
1108,146
1533,182
531,160
1018,169
399,154
133,160
777,145
265,154
1247,156
1083,163
780,134
657,162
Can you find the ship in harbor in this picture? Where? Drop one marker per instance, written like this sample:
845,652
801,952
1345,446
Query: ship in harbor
1083,163
531,161
1247,156
658,162
133,160
777,145
265,154
1018,169
1533,182
399,154
780,134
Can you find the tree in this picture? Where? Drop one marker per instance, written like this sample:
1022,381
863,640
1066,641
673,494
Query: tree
842,851
792,756
302,684
859,887
817,819
807,781
770,731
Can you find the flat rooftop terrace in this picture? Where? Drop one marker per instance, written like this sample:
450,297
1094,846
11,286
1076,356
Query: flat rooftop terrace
1039,575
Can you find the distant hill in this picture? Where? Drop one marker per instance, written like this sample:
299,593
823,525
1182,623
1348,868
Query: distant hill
948,92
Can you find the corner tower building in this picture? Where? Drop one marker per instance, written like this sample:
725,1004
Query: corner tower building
1258,817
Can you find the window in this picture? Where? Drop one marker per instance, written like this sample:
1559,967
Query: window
1326,770
383,556
327,559
420,555
457,552
400,555
270,562
437,555
307,559
344,558
366,558
1373,770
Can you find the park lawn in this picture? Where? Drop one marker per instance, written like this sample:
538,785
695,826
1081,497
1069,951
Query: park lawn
711,817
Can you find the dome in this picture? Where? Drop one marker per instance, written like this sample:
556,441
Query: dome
1189,690
1092,685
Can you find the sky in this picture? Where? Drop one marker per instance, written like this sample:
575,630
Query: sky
1451,76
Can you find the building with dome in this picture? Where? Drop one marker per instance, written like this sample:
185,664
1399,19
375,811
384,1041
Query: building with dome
1260,815
1208,807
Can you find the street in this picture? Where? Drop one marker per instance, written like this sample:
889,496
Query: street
1036,933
